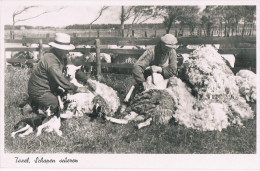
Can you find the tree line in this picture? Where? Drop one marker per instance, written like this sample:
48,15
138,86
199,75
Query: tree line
226,20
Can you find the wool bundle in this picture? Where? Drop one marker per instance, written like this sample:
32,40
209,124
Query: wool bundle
192,113
246,81
208,75
216,103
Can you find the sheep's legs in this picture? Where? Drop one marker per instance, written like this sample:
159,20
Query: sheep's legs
118,121
127,118
131,116
66,115
144,124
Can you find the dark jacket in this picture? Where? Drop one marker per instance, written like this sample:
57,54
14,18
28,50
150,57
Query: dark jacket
47,76
155,56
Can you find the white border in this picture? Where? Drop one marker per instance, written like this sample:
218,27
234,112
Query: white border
133,161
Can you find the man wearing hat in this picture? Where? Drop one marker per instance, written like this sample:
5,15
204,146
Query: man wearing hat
160,59
48,75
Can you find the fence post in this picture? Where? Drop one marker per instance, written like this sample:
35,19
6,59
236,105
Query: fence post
155,34
133,33
40,49
23,43
97,33
98,59
11,34
145,33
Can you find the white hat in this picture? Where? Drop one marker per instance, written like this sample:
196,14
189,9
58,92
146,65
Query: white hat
62,41
169,40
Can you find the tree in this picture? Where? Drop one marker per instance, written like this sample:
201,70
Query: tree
209,19
170,14
191,18
99,15
248,15
126,14
18,12
237,17
140,14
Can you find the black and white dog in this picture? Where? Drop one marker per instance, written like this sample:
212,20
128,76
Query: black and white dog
28,125
49,120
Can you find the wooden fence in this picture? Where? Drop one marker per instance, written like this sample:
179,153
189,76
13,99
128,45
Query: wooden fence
99,45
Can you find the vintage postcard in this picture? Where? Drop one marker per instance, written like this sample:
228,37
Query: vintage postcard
129,84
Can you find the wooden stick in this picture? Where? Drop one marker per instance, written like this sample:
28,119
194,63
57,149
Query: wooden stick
118,121
129,94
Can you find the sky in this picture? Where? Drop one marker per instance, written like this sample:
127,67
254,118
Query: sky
69,15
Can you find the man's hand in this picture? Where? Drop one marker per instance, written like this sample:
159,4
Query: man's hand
156,69
82,90
91,86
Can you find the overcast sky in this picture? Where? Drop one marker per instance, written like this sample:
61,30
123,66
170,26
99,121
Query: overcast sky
67,16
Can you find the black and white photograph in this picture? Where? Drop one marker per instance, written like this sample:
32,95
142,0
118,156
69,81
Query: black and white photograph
150,85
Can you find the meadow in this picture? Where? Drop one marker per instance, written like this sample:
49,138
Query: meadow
81,135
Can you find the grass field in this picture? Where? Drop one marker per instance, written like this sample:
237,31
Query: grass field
80,135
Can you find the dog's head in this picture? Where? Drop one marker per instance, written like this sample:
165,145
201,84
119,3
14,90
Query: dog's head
51,111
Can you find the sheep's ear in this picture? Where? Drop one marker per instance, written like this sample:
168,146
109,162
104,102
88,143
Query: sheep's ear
78,67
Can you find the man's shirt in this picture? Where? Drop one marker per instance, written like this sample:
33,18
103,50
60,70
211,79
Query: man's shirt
47,76
154,56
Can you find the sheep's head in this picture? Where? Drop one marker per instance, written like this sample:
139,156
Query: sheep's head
71,71
100,108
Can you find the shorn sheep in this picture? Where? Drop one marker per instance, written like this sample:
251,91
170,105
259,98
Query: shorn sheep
207,98
154,104
83,103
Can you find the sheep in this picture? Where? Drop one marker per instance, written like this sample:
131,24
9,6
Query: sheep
216,46
126,47
154,104
104,57
151,105
81,103
77,58
70,74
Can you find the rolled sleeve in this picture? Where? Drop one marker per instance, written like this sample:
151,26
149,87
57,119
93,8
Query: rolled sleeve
142,63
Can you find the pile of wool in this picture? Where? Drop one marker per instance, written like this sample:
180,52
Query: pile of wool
246,81
153,103
213,101
104,95
208,75
211,116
